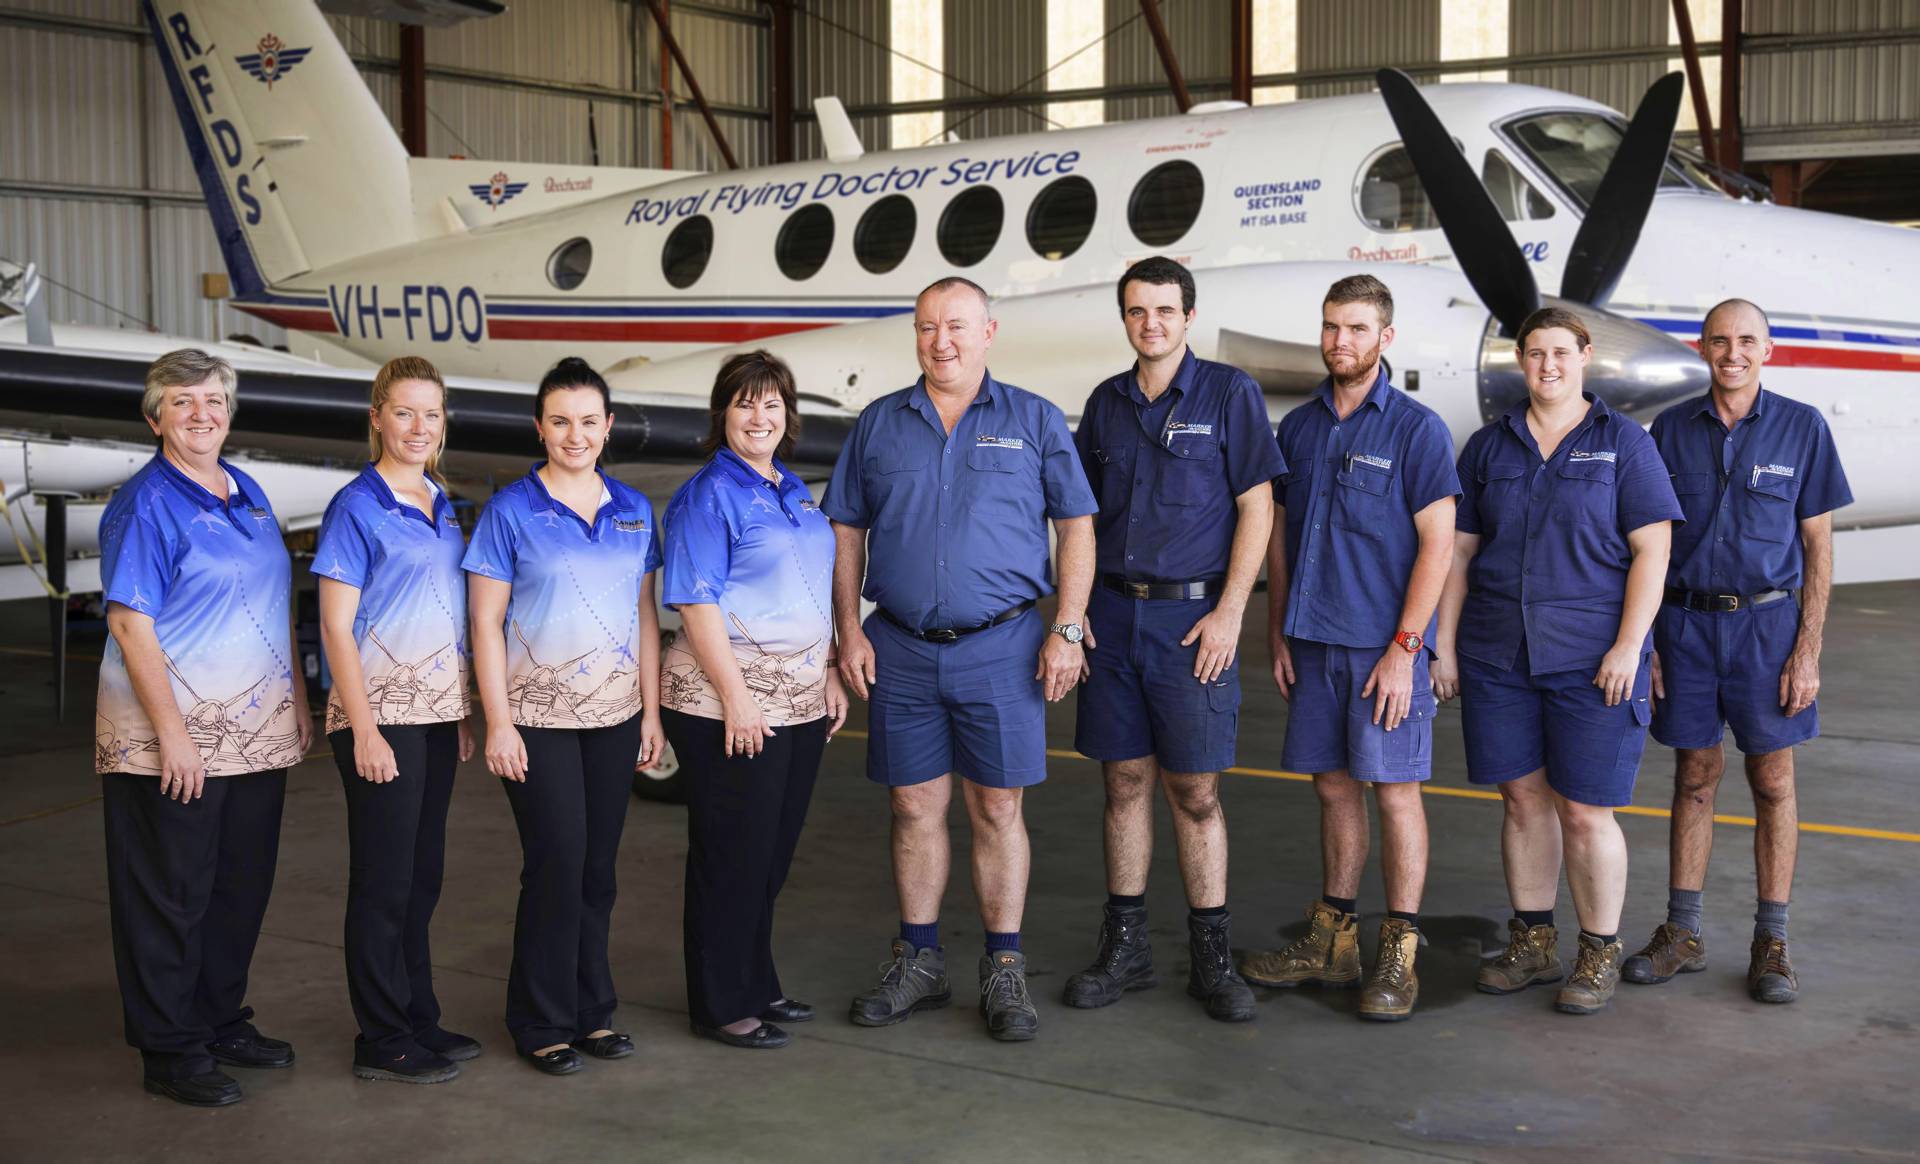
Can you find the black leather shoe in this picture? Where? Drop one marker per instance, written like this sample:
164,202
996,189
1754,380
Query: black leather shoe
787,1010
456,1047
416,1066
612,1046
252,1049
765,1037
565,1061
208,1089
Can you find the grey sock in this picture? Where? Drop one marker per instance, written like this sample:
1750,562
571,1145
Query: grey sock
1770,920
1683,909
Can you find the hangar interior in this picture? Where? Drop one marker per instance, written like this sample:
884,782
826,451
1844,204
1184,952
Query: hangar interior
1808,102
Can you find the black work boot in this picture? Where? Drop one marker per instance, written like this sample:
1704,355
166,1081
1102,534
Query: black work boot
1004,1001
1213,980
1125,960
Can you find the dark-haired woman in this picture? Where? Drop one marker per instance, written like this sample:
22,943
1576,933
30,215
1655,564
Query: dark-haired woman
393,619
751,693
566,654
1559,562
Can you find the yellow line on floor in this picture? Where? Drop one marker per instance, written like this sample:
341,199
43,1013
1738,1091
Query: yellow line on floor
54,811
1484,794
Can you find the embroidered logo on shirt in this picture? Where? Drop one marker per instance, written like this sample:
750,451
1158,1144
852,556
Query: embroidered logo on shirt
1776,470
998,442
634,525
809,507
1607,455
1184,428
1376,462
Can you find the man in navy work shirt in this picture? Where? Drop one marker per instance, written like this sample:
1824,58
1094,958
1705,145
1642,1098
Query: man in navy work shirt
1354,571
1179,453
1759,479
940,503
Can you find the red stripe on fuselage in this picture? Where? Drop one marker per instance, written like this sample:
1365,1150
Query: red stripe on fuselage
674,331
1848,359
297,318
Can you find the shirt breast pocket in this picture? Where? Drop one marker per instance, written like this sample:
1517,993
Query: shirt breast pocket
1503,494
1191,476
889,471
1585,492
1005,480
1116,475
1363,503
1770,508
1695,492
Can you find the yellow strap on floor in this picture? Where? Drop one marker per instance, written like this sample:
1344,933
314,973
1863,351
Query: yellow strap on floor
26,557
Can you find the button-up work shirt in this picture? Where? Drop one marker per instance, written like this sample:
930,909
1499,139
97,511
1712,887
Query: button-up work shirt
1167,471
1745,491
1554,554
1350,493
956,523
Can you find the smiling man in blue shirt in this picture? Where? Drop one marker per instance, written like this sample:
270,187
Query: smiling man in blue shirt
1759,479
940,504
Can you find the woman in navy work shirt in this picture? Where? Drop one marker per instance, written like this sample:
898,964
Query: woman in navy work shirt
393,621
566,653
751,692
1559,560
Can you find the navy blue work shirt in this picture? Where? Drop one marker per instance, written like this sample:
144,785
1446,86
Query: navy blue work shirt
1746,490
1350,493
1553,553
1167,471
957,523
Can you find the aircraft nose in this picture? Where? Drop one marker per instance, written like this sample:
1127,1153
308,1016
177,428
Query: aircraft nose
1636,369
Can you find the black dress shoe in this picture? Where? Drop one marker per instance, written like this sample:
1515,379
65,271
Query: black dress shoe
416,1066
208,1089
456,1047
252,1049
765,1037
787,1010
609,1046
565,1061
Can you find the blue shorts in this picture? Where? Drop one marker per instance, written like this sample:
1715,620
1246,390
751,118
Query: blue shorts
1330,726
1516,723
1141,698
1724,669
971,706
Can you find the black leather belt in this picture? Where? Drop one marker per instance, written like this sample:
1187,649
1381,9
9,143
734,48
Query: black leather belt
952,634
1721,603
1158,590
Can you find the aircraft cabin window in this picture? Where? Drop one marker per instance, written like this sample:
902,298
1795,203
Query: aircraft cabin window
804,242
1061,217
970,225
1390,198
1165,203
1574,149
684,259
885,233
567,267
1511,192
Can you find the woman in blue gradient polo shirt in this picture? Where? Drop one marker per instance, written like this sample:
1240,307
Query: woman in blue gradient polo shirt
202,708
393,621
751,693
566,654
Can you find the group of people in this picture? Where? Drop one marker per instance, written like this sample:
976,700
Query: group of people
1571,577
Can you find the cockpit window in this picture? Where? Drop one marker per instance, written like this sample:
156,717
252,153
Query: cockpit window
1574,149
1512,193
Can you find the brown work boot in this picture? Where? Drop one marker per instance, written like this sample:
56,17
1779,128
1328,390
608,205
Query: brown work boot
1329,954
1596,972
1390,993
1672,950
1770,977
1532,958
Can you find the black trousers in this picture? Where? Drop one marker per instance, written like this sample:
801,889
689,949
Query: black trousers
744,817
187,887
570,810
397,846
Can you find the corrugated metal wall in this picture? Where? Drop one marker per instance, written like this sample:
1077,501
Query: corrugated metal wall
996,47
1832,88
1365,34
1568,26
1198,32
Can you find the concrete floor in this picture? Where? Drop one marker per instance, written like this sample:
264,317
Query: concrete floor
1688,1070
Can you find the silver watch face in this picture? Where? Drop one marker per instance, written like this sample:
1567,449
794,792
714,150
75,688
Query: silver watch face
1069,631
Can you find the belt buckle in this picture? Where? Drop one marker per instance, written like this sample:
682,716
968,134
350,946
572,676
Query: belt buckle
1733,603
1138,589
941,636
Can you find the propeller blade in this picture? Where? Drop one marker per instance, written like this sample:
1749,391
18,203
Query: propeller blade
1482,244
1625,194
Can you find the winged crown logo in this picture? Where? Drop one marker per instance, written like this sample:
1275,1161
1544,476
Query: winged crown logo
272,61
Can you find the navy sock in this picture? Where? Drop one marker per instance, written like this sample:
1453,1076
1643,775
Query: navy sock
997,942
1770,920
1412,919
921,937
1210,911
1683,909
1534,917
1344,904
1127,900
1603,939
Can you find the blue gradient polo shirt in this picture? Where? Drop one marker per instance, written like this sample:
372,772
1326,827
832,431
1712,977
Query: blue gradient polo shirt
411,625
1168,471
762,552
957,523
215,578
1553,533
573,621
1746,490
1349,497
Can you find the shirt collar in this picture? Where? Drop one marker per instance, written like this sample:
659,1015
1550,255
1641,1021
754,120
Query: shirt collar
919,398
383,493
1128,382
1515,419
736,467
1755,413
1380,395
540,488
198,493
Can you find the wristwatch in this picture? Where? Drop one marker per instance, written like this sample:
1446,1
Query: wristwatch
1411,640
1069,631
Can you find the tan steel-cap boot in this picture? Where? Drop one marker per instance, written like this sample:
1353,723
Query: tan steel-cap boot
1329,954
1596,973
1532,958
1390,993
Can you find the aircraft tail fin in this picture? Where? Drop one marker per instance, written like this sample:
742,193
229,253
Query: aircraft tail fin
300,167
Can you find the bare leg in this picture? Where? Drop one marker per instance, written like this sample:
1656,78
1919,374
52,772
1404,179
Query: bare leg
1200,833
922,854
1530,841
1596,864
1343,832
1403,844
1000,854
1776,812
1129,820
1696,781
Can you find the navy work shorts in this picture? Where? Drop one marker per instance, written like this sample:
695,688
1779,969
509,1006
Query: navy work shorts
1516,723
1330,724
1141,699
1722,669
971,706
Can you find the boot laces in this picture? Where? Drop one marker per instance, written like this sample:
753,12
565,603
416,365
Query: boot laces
1005,986
1214,954
1393,962
1666,936
1113,941
1590,965
1520,948
1773,958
